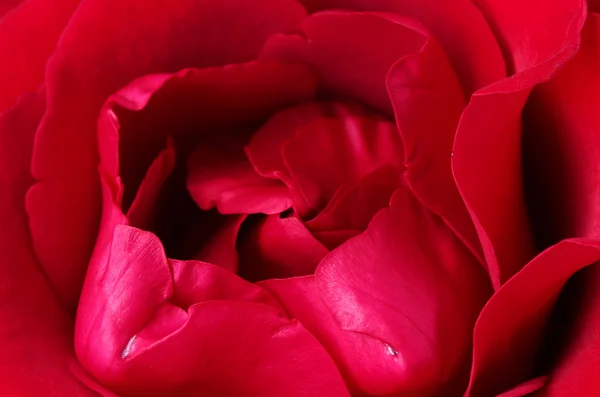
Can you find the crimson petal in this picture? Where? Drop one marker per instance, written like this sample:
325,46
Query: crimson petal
509,330
36,332
106,44
458,24
409,282
487,148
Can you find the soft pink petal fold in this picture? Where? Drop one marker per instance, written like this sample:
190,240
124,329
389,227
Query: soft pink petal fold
36,344
511,326
105,45
487,149
409,282
458,24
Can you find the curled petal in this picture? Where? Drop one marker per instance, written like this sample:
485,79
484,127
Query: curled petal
458,24
410,283
106,44
487,161
509,330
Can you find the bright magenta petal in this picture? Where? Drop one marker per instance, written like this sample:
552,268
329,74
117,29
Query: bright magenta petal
105,45
511,326
36,333
487,148
409,282
276,247
458,24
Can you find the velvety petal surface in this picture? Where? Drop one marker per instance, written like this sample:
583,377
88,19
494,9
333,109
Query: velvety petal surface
349,149
224,178
28,37
576,355
369,366
511,326
458,24
351,52
410,283
419,85
526,388
352,207
278,247
36,344
562,127
105,45
562,145
487,150
152,326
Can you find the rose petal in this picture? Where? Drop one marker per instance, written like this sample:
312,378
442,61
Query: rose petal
561,142
487,147
28,37
458,24
410,283
369,366
526,389
576,353
265,148
531,34
419,84
349,148
159,327
106,44
143,208
353,207
220,249
276,247
224,178
36,332
509,330
351,52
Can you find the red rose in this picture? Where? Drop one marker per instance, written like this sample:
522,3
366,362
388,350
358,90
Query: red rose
268,198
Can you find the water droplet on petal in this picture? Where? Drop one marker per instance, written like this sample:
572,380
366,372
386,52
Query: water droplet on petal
127,349
391,351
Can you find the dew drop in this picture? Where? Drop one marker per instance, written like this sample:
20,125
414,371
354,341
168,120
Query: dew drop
391,351
127,349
